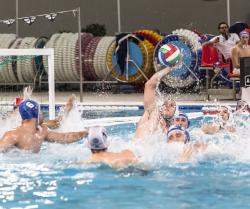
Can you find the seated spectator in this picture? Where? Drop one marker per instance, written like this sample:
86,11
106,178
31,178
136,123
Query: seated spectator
242,49
225,41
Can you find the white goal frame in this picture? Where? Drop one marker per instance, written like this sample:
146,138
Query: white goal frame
51,81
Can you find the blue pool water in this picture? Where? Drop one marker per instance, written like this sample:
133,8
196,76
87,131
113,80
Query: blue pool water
218,178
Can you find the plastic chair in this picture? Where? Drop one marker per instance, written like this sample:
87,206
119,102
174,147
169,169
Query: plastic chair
209,56
212,60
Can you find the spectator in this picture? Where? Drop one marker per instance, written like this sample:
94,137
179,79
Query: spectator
225,41
242,49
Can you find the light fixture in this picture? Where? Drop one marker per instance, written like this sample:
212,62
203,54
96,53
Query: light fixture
9,21
29,20
51,16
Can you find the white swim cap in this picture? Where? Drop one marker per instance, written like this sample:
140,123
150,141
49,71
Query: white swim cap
97,138
241,102
244,33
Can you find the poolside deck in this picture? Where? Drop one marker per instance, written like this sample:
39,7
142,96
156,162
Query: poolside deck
104,98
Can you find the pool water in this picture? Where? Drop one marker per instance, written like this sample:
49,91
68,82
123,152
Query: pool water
217,178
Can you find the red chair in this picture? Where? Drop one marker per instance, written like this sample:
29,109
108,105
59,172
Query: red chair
212,60
209,56
230,71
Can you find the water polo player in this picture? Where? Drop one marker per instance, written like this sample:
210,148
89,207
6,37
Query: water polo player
182,120
98,144
223,121
30,135
155,117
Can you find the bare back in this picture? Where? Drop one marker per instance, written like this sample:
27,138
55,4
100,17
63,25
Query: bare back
117,160
29,140
29,137
25,137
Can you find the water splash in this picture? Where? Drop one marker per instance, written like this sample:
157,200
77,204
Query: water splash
45,178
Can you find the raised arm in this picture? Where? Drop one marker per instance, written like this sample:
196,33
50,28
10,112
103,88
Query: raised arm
212,41
53,124
66,138
67,108
70,104
150,86
27,92
7,141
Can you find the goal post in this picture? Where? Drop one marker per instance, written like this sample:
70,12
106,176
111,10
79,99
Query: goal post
51,81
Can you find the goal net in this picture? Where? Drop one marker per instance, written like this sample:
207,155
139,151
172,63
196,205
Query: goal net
17,67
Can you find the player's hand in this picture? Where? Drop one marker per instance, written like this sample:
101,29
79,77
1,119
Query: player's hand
70,103
52,124
27,92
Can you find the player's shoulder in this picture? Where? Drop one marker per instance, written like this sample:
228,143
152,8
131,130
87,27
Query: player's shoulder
43,128
127,152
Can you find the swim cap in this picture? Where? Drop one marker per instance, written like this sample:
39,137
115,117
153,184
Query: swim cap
181,114
244,33
97,138
29,109
222,122
241,102
179,128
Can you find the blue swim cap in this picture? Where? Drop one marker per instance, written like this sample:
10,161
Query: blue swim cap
181,114
97,138
29,109
179,128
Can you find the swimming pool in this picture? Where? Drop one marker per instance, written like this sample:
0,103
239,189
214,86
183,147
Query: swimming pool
219,178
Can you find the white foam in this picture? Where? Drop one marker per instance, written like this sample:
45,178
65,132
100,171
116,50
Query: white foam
153,151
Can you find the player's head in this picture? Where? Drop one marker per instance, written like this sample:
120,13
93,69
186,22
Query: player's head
242,105
29,109
182,120
97,139
168,108
244,37
224,113
177,134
